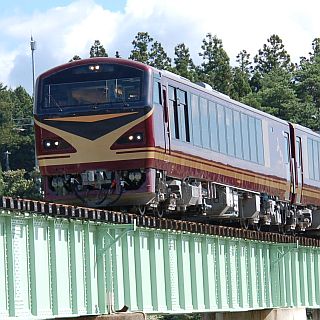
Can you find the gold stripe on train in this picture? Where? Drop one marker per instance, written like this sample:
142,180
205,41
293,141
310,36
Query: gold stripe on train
93,118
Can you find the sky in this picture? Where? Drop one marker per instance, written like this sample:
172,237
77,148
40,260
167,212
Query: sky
64,28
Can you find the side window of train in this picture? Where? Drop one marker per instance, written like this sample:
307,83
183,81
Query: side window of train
157,92
230,132
204,123
253,140
315,145
195,120
237,134
245,136
298,152
287,155
184,115
260,147
213,121
222,128
179,114
310,159
314,159
173,113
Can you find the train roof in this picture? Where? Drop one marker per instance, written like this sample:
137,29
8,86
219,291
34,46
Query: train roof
126,62
307,130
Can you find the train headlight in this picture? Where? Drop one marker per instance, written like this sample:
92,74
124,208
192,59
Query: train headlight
47,144
136,137
132,138
50,144
94,68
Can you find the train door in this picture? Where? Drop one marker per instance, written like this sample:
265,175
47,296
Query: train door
299,170
288,167
166,128
296,164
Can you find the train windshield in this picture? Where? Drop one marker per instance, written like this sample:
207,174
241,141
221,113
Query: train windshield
92,92
82,88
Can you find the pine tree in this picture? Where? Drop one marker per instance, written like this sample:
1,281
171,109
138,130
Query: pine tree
141,47
273,56
158,58
75,58
216,69
97,50
184,65
241,76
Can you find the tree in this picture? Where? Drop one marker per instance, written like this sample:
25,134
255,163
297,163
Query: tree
184,65
273,56
19,184
16,128
277,94
315,49
241,76
243,60
75,58
158,58
216,69
240,84
97,50
141,47
307,86
1,181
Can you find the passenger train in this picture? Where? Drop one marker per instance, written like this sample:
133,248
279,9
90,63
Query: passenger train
112,132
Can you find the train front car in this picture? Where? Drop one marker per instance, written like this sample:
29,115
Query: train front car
93,124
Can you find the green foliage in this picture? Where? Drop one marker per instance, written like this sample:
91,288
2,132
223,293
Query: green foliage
193,316
141,47
216,69
75,58
158,58
20,184
273,56
184,65
16,128
240,84
97,50
150,52
277,94
1,181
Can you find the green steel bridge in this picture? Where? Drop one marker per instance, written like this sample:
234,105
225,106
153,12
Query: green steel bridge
61,261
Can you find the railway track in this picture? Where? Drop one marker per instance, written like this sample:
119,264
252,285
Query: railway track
27,206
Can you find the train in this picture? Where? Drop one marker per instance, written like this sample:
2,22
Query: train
116,133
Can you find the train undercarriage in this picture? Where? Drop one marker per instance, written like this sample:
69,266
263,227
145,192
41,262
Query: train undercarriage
150,191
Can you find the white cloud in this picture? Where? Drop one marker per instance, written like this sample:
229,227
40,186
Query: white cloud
62,32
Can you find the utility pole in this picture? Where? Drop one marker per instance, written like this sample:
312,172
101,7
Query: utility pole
33,48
